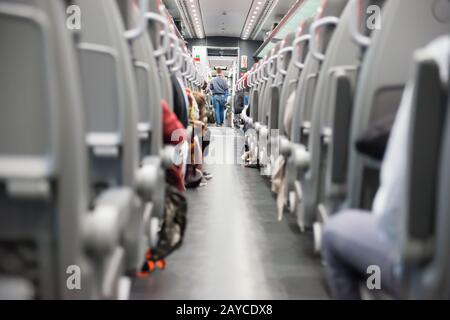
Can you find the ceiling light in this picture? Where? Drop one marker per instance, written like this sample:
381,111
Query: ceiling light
259,2
257,8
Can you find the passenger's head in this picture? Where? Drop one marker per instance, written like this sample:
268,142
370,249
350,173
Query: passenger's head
200,99
219,72
201,102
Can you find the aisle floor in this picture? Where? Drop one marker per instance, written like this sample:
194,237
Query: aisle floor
234,246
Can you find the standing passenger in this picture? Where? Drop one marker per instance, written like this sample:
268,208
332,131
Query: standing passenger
219,86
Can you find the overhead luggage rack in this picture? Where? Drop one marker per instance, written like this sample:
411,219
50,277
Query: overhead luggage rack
300,11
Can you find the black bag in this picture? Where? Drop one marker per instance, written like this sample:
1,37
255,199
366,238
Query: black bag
211,115
239,103
193,177
373,142
174,224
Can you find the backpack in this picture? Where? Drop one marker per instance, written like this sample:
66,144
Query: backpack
174,224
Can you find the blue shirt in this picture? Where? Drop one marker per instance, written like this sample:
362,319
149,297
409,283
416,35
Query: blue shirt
219,85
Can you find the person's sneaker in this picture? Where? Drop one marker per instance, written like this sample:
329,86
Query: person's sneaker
207,175
203,183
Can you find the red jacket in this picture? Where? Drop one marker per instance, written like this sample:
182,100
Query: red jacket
170,124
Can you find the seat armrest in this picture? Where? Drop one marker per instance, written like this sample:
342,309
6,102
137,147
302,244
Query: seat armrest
285,146
427,122
342,118
103,226
149,177
300,156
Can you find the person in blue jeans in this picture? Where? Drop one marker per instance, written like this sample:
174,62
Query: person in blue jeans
219,87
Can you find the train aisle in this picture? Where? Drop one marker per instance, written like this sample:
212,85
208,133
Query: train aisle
234,247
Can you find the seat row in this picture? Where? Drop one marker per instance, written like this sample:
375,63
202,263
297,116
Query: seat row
322,97
82,159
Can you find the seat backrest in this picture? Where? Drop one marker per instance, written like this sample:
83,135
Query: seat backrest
267,90
299,52
155,29
323,26
149,93
282,65
341,59
440,289
43,161
264,76
254,93
379,93
425,245
109,89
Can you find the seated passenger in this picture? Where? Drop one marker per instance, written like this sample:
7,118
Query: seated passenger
194,170
171,124
175,209
205,133
355,240
180,100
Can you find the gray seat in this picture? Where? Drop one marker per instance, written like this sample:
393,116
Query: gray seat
336,78
157,33
111,108
263,116
257,99
300,49
254,93
425,252
324,25
416,181
49,228
270,97
378,93
279,71
281,66
251,134
153,157
337,124
327,21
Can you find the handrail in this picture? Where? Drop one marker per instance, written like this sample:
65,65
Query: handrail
314,27
156,17
359,38
141,27
281,54
175,46
297,56
272,70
